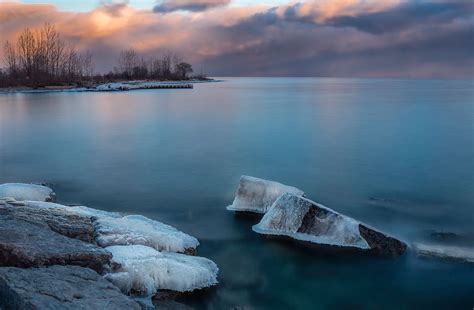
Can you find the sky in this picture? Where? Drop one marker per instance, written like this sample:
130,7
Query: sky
328,38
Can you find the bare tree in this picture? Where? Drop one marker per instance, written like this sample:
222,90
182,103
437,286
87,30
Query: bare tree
127,61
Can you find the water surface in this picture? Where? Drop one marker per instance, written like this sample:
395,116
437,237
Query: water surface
396,154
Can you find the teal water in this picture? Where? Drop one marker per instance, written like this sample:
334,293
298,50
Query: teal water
396,154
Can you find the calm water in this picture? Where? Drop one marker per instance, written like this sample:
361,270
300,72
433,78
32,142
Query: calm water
397,154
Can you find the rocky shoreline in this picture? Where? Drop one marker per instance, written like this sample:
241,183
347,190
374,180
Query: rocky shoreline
57,256
109,86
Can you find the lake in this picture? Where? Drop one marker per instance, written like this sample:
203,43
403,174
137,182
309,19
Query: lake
396,154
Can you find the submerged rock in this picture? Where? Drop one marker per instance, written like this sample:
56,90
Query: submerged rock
447,252
302,219
22,191
144,270
59,287
67,224
257,195
23,244
140,230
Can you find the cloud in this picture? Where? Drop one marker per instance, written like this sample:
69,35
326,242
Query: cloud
166,6
353,38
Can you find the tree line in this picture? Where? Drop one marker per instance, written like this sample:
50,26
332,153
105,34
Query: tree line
41,58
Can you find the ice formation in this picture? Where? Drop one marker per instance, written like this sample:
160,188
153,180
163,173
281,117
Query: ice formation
79,210
144,270
257,195
115,86
22,191
140,230
303,219
449,252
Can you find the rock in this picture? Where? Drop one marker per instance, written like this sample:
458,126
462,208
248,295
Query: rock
144,270
59,287
23,244
140,230
302,219
447,252
67,224
257,195
78,210
22,191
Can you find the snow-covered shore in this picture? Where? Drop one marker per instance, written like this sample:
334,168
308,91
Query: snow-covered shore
137,255
112,86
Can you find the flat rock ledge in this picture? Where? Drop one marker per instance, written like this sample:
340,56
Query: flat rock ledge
59,287
54,256
305,220
23,244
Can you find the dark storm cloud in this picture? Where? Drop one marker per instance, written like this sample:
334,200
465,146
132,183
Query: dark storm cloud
167,6
406,16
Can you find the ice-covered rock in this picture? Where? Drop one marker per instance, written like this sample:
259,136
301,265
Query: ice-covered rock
59,287
144,270
448,252
140,230
302,219
78,210
22,191
257,195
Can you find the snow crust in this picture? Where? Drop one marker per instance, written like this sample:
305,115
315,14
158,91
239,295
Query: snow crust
78,210
22,191
145,270
285,217
137,85
140,230
445,252
257,195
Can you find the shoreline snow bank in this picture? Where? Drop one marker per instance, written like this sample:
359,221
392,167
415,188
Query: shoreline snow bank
22,191
145,270
140,230
257,195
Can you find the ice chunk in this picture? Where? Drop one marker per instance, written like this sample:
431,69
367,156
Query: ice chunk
145,270
137,229
257,195
79,210
22,191
449,252
303,219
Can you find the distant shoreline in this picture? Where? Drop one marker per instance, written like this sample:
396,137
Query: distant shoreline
109,86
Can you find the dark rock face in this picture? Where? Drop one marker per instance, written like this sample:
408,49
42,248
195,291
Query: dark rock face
380,243
23,244
59,287
69,225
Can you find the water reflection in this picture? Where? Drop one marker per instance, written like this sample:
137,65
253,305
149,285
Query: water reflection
177,155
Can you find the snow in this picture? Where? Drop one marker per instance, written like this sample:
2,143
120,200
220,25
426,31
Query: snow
450,252
78,210
140,230
145,270
22,191
285,217
257,195
131,85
